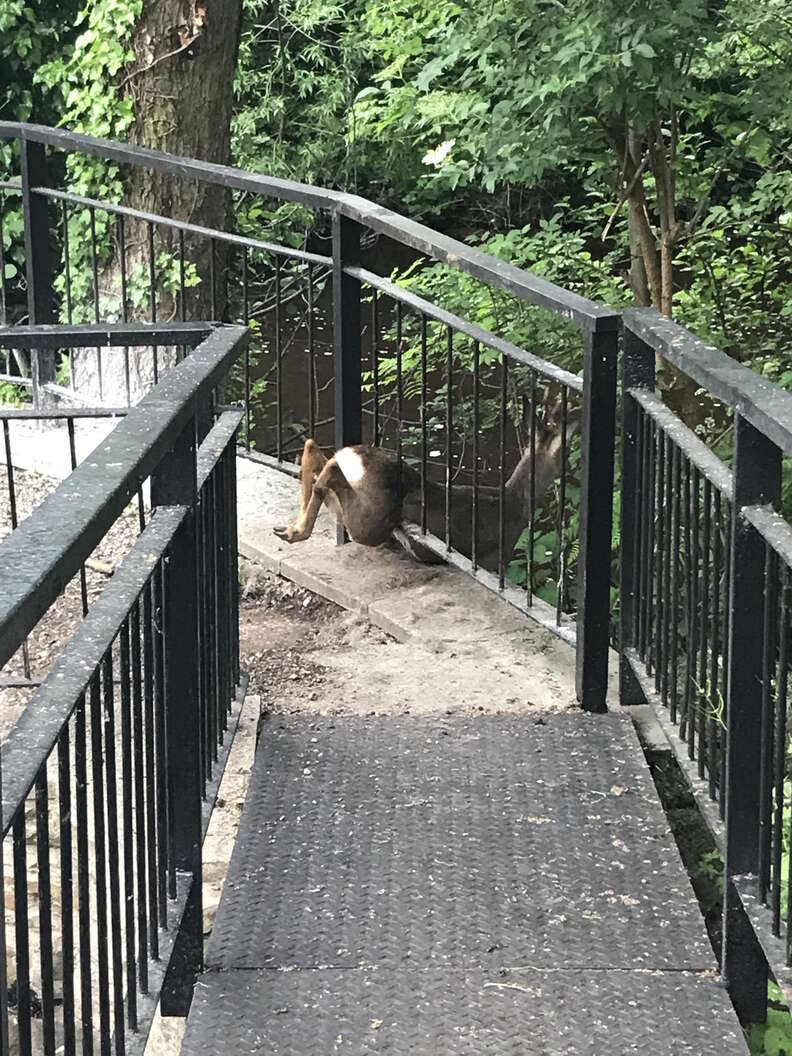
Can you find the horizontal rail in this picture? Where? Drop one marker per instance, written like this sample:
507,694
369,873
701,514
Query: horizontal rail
717,472
56,414
104,335
474,262
183,225
764,404
216,441
471,330
773,528
42,555
36,732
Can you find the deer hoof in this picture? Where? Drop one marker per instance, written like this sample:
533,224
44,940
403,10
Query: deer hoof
282,533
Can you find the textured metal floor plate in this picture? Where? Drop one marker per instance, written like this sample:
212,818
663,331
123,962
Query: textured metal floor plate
479,843
425,1013
490,885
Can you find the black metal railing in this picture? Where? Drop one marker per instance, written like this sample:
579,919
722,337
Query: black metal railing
315,367
705,555
110,772
705,624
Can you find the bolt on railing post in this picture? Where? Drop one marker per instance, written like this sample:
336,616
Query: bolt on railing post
596,513
346,337
175,483
757,481
638,372
38,262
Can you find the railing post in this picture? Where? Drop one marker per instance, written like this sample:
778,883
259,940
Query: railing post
346,337
757,481
175,484
638,372
596,513
38,263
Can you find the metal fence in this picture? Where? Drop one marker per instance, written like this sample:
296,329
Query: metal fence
109,775
705,624
484,500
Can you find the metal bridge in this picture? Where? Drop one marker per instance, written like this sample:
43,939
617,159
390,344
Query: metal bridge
398,885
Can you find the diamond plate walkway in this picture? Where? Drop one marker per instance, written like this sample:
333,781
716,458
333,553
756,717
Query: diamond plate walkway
495,885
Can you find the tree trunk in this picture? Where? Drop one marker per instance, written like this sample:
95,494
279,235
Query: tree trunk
181,84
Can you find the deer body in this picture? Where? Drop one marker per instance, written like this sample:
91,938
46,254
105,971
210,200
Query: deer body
367,491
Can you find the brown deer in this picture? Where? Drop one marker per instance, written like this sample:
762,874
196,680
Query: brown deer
366,491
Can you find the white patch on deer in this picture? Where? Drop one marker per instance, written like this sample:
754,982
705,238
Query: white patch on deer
351,465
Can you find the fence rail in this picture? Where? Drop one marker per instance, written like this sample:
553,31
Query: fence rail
109,774
706,571
469,463
350,355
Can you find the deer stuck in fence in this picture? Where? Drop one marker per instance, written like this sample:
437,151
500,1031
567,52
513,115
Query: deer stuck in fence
373,496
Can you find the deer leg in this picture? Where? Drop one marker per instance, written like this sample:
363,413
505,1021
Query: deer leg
311,465
306,519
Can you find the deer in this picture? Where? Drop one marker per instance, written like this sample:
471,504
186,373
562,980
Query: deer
373,496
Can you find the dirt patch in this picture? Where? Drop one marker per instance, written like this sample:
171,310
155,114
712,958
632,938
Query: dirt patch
58,624
305,654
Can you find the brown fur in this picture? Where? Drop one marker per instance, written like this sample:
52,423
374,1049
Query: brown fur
372,510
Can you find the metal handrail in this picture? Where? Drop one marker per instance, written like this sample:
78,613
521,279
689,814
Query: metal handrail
522,284
47,549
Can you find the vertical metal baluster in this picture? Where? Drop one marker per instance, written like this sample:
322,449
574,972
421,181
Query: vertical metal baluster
67,281
689,635
562,556
211,584
399,394
278,372
375,361
676,487
22,933
149,680
83,876
766,769
113,856
529,577
726,634
312,365
449,433
13,512
161,748
476,430
651,594
660,547
703,752
73,460
66,889
780,748
502,461
715,708
668,559
128,835
45,913
182,283
3,295
100,868
694,630
640,530
246,320
95,275
424,432
180,354
139,783
203,703
213,280
124,307
153,293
